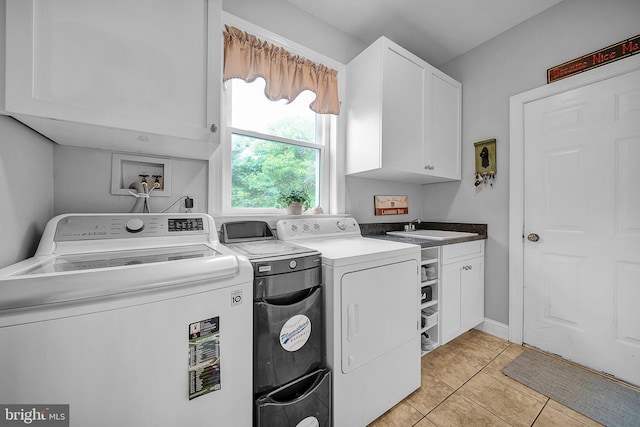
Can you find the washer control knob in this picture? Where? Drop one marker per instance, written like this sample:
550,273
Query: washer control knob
134,225
293,264
341,225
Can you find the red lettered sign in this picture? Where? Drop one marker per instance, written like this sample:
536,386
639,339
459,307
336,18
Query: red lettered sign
595,59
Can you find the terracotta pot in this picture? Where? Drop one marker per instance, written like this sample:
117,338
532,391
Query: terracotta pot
294,209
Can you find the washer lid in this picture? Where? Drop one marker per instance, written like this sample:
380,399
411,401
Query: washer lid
55,279
90,261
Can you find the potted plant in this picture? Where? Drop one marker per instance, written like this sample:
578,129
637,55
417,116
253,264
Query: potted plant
294,199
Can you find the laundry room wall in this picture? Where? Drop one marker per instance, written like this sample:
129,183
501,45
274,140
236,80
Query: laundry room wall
26,189
82,183
283,18
511,63
360,193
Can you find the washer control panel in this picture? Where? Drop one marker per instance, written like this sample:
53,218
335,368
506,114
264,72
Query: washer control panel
98,227
304,228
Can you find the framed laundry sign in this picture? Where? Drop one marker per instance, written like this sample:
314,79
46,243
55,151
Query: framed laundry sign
391,205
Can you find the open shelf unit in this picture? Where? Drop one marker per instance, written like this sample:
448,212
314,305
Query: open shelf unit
429,306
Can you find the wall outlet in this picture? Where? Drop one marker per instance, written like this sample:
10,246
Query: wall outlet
127,170
191,209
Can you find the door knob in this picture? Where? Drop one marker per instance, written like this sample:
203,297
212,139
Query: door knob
533,237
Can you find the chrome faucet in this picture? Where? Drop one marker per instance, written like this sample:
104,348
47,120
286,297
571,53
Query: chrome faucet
412,225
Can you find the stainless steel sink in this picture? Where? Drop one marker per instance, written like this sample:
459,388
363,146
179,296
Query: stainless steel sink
431,234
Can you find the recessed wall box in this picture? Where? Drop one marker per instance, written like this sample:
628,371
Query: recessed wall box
128,169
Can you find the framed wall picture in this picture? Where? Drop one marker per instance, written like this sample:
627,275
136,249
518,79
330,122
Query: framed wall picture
486,157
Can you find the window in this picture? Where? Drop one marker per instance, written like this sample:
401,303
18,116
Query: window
274,146
268,147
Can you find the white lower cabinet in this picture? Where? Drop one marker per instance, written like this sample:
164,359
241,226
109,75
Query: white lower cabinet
462,288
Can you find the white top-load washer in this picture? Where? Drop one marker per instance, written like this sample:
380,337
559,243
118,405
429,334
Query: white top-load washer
372,323
130,320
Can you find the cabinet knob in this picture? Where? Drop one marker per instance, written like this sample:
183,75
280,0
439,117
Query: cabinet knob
214,128
429,167
467,267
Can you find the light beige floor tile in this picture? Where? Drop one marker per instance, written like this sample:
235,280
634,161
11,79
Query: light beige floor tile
488,341
513,351
425,423
571,413
550,417
431,393
458,411
401,415
473,354
511,404
449,367
495,370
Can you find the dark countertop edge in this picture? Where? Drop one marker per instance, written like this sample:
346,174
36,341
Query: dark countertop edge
379,230
425,243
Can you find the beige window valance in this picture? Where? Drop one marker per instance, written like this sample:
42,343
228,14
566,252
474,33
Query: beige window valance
286,75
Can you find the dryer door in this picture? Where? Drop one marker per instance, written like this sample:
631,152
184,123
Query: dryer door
378,311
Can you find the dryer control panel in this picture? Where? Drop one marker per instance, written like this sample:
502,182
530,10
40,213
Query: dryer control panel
292,229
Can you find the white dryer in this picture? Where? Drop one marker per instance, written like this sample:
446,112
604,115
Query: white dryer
130,320
372,323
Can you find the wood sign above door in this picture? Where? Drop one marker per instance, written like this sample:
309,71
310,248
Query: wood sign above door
595,59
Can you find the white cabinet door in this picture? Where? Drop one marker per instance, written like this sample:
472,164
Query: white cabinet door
147,66
462,285
402,112
472,289
443,126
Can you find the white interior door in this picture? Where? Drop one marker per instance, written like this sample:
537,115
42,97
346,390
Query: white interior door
582,199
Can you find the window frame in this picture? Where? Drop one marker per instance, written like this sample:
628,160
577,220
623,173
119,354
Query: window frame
330,129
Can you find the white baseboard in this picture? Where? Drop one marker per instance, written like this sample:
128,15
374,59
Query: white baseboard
494,328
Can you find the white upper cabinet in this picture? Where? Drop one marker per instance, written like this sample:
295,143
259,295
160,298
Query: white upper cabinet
137,76
404,117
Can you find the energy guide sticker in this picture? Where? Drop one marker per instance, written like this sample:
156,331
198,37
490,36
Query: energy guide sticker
204,357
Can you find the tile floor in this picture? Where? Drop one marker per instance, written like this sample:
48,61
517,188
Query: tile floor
462,385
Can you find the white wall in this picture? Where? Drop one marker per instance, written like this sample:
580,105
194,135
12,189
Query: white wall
511,63
82,183
360,192
286,20
26,190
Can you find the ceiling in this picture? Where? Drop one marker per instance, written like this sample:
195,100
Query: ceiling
435,30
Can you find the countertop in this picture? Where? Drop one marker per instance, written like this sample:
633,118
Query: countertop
379,230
